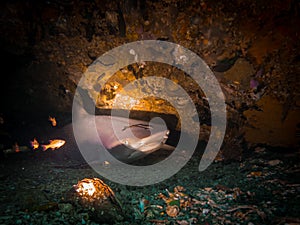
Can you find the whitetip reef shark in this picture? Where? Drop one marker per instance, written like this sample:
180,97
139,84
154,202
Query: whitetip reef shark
126,139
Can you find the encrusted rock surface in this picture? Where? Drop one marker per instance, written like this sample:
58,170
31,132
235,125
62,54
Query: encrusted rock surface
252,48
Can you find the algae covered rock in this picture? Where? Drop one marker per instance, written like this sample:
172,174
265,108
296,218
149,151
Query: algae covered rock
96,198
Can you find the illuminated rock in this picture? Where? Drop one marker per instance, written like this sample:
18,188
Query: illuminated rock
97,199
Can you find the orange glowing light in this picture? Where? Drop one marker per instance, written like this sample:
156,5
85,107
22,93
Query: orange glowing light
35,144
86,188
53,121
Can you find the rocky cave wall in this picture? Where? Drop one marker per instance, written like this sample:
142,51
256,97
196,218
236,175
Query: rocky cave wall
251,46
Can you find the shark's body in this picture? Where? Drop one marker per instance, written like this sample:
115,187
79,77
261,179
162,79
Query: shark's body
117,141
126,139
98,137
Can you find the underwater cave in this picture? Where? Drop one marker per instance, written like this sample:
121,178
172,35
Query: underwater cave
150,112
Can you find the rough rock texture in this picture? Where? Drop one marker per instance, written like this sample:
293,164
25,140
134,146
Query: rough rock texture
269,127
97,199
253,47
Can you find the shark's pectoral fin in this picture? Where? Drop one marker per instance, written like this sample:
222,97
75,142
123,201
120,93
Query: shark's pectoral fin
142,148
150,149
